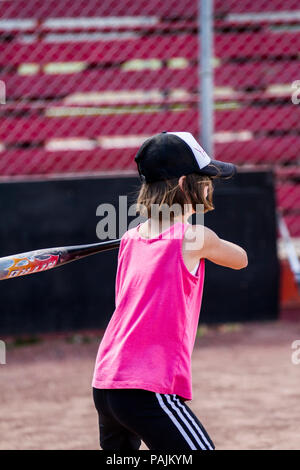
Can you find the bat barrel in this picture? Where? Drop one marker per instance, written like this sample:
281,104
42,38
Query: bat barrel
42,260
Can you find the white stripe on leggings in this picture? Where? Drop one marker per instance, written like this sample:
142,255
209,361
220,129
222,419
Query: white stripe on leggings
177,424
194,422
188,425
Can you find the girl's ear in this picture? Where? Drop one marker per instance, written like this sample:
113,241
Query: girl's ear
180,181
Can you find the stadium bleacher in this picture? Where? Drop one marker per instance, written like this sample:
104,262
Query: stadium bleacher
79,74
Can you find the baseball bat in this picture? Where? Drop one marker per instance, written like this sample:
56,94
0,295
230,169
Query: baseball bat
48,258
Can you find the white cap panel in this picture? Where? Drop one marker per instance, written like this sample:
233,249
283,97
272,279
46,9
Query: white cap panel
201,156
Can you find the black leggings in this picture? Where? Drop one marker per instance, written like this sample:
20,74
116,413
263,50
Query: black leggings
162,421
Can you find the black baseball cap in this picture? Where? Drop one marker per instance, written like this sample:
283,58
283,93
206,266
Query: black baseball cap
172,154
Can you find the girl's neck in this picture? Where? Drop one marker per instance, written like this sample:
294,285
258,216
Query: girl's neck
157,226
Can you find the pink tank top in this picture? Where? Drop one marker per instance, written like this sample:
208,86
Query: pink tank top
149,340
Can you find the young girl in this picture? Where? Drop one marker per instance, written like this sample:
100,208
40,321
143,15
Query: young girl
142,376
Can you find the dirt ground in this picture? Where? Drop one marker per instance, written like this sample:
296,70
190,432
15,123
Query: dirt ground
245,386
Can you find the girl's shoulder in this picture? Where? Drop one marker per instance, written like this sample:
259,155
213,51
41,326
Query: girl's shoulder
130,233
196,236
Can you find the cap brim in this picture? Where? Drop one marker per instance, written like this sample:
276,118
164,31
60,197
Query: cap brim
221,169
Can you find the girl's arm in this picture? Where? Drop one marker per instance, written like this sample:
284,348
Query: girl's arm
221,251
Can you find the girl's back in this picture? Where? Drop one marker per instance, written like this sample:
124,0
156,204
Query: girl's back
149,340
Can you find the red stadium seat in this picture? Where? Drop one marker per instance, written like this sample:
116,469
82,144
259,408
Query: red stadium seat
227,46
45,85
97,8
109,52
293,223
169,8
253,6
237,76
288,196
38,128
265,150
41,162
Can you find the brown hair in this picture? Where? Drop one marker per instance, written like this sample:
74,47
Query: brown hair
169,192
